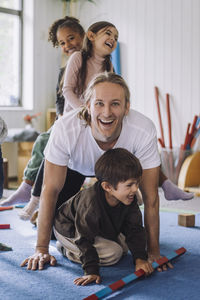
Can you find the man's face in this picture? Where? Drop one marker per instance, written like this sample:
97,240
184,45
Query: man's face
107,108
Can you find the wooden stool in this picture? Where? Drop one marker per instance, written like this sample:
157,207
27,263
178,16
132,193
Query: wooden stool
187,220
51,117
5,173
24,154
189,176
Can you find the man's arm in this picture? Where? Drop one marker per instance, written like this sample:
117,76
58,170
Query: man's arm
54,178
149,189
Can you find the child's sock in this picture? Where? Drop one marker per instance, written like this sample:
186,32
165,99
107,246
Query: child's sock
173,192
21,195
27,212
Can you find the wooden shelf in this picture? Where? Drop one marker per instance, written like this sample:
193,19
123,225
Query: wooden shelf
24,154
50,118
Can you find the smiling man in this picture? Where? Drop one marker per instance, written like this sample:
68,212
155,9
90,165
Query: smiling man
77,141
107,109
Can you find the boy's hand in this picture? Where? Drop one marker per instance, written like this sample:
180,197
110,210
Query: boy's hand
144,265
87,279
152,258
38,260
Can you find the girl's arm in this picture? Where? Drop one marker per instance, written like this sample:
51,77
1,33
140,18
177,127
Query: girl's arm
72,100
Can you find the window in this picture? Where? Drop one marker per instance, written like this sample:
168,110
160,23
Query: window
11,13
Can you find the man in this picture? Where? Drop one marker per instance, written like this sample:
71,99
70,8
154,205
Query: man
80,137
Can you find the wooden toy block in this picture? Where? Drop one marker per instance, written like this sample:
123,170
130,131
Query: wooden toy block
4,226
5,208
187,220
20,205
189,176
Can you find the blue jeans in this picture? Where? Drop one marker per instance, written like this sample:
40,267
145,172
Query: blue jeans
1,174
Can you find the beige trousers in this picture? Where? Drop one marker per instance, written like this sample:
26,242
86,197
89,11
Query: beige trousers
109,252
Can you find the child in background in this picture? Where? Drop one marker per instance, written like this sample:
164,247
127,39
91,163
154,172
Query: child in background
3,134
99,224
68,34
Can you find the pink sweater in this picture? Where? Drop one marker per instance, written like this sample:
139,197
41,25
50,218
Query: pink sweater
94,66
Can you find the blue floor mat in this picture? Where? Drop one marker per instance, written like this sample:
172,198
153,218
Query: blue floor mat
52,283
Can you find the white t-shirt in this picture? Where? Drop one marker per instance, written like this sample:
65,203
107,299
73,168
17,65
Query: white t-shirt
72,144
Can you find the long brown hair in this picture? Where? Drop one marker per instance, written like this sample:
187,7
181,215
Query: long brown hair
87,53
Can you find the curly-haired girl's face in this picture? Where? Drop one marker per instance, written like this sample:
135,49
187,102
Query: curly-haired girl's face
69,40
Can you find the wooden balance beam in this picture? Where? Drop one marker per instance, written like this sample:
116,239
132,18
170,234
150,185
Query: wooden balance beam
125,280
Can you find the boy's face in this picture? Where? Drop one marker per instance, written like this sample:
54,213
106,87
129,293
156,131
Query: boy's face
124,192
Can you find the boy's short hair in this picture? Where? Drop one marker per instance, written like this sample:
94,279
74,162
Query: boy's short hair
117,165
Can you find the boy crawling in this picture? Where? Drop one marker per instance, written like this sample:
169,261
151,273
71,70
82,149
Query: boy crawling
99,224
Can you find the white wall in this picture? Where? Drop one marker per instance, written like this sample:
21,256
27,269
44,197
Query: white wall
160,46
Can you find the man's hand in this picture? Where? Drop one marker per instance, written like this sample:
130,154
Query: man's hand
144,265
84,280
153,257
38,260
